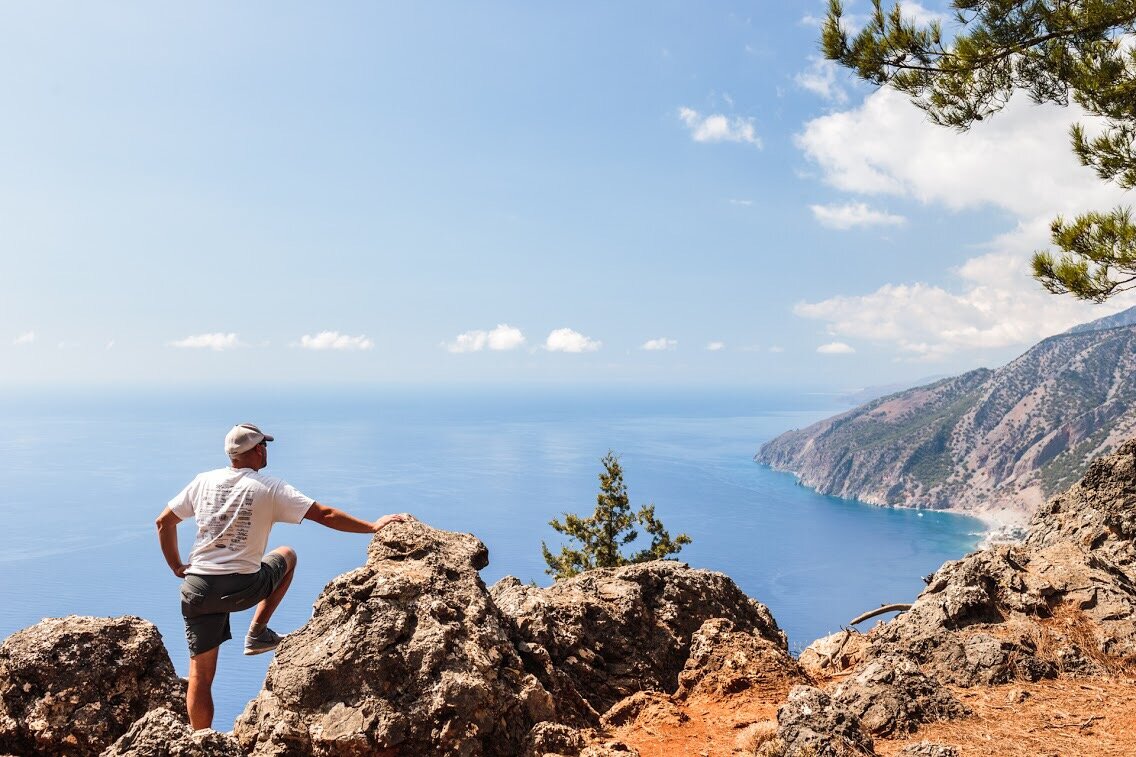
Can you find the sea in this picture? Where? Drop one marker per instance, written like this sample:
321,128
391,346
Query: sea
83,474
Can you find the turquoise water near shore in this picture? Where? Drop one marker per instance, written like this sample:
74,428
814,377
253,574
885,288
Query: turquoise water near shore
83,475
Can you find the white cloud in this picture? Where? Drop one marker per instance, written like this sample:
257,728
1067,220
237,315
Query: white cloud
333,340
503,337
110,345
920,15
835,348
776,349
719,128
216,341
854,22
28,337
1019,162
470,341
852,214
716,346
657,345
567,340
995,305
820,79
743,203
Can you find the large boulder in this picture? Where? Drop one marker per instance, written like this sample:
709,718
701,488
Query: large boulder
162,733
813,724
892,695
604,635
72,686
1063,602
724,662
405,655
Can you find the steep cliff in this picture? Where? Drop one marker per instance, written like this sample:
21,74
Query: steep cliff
995,443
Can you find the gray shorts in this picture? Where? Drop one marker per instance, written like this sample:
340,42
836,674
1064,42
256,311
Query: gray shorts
206,601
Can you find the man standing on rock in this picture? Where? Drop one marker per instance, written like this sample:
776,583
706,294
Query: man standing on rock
235,508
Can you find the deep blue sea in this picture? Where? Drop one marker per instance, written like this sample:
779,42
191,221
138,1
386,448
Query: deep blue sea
83,475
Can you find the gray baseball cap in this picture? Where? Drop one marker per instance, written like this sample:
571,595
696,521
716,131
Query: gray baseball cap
243,437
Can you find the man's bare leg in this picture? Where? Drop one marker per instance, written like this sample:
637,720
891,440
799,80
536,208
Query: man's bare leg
199,698
269,604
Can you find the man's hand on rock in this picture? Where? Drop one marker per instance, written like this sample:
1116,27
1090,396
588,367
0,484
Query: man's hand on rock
386,520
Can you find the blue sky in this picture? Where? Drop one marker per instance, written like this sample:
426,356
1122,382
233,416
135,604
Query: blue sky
502,193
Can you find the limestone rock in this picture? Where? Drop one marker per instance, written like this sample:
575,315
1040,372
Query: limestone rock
161,733
929,749
72,686
553,739
604,635
812,724
835,653
1062,602
406,655
891,695
723,662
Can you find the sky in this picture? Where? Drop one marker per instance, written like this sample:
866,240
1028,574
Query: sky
504,194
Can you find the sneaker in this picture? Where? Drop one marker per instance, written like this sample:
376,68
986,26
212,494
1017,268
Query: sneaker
266,642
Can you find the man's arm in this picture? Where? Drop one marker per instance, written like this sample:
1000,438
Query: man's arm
167,537
340,521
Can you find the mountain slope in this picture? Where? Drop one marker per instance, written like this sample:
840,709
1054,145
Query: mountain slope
992,443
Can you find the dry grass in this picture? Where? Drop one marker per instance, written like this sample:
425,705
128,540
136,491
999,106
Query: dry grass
1053,718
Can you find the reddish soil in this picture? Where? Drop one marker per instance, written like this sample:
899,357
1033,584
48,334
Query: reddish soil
1066,717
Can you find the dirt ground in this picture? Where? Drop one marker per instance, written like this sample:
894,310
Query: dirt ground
1066,717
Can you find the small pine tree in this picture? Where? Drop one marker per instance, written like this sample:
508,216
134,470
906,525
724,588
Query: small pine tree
609,528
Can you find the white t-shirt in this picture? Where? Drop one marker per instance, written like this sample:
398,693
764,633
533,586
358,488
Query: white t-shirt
235,509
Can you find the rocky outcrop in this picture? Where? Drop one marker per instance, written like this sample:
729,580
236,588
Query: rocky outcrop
72,686
413,654
604,635
812,724
995,443
892,695
1061,603
162,733
405,655
724,661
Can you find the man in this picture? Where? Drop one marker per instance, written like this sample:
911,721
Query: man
235,509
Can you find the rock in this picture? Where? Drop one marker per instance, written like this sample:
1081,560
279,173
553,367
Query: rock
929,749
723,662
812,724
838,652
162,733
891,695
609,749
553,739
72,686
642,708
407,655
1062,602
599,637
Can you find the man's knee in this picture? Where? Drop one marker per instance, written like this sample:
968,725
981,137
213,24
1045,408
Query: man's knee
203,667
289,556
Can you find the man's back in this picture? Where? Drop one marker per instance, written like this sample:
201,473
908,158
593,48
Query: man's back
234,509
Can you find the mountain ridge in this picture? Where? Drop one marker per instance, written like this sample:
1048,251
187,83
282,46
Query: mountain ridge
994,443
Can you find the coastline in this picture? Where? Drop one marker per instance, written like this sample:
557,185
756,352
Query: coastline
1001,524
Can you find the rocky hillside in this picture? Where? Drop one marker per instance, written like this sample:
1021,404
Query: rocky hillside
1014,650
992,443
